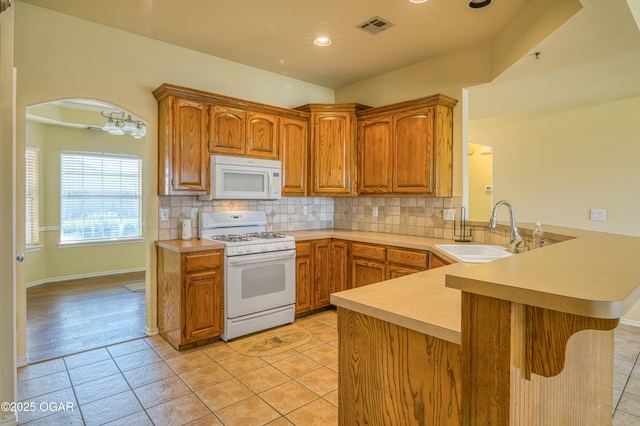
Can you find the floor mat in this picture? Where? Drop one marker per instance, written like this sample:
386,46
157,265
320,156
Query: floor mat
272,342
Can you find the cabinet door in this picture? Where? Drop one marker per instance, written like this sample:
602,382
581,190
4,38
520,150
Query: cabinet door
332,154
365,272
436,262
413,152
322,273
227,131
293,156
190,156
262,136
395,271
374,155
304,276
339,266
203,305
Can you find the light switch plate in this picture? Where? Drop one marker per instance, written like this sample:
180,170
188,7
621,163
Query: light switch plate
599,214
449,214
164,214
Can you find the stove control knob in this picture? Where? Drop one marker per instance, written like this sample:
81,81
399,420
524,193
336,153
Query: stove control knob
264,247
247,249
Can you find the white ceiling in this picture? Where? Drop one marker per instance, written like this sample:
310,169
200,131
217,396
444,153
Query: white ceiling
594,57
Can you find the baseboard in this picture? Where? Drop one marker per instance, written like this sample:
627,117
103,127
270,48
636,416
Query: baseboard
9,419
629,322
151,331
22,361
82,276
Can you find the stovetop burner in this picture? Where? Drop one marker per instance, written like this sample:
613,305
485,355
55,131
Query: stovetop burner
231,238
265,235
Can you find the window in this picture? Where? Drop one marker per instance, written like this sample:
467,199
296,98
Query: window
100,197
31,197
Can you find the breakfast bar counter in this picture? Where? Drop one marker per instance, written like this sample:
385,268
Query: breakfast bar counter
522,340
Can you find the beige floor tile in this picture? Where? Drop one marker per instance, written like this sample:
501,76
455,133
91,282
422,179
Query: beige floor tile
622,367
66,418
64,396
111,408
326,334
316,413
241,364
313,343
625,353
178,411
328,318
37,386
282,355
249,412
281,421
263,378
155,341
148,374
619,380
224,394
41,369
623,419
90,372
128,347
137,419
210,420
288,396
101,388
333,366
321,381
296,365
332,397
324,354
309,323
627,332
219,351
189,361
629,403
167,351
204,377
137,359
85,358
161,391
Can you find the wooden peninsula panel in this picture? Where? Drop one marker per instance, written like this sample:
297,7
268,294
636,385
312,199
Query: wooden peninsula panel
390,375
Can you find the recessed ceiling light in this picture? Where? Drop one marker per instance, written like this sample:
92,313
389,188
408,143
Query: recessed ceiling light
479,4
418,1
322,41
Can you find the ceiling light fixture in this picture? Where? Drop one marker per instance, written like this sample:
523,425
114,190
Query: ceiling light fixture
322,41
120,123
479,4
418,1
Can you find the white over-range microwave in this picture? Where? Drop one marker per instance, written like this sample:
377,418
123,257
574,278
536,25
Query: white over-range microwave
241,178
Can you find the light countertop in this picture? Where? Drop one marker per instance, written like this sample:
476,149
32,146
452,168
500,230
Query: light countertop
186,246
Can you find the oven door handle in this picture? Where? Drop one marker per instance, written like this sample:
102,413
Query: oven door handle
261,257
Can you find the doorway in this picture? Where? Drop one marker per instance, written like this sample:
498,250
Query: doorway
85,257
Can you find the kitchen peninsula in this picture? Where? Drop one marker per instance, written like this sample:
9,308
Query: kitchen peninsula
523,340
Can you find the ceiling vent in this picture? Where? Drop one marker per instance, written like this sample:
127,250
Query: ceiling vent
479,4
375,25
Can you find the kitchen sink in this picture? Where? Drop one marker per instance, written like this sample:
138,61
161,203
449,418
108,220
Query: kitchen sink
474,253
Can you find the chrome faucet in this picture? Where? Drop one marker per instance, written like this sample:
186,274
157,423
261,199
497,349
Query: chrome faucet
515,239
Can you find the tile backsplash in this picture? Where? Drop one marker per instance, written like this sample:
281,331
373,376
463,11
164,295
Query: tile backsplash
405,216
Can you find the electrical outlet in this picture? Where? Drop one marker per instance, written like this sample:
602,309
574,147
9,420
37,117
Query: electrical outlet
599,214
375,211
305,210
449,214
194,212
164,214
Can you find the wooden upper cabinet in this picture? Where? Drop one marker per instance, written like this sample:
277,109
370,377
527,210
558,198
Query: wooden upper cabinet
183,154
413,152
227,130
332,157
407,148
262,136
374,156
293,156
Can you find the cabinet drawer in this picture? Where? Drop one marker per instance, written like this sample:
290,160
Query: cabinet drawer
201,261
303,249
413,258
367,251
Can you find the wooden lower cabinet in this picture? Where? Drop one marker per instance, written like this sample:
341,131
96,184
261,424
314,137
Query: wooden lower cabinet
190,296
339,266
372,263
437,262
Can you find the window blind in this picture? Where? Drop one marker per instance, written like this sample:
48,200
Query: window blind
31,197
100,197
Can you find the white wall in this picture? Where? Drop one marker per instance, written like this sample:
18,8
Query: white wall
555,167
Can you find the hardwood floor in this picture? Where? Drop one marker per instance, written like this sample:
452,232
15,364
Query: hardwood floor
74,316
